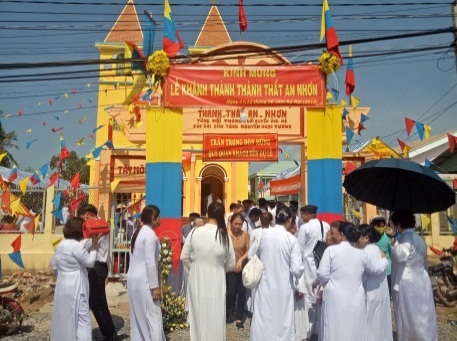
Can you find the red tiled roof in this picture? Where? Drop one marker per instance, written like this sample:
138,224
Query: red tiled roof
127,27
214,32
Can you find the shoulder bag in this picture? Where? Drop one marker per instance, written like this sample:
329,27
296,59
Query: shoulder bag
253,271
319,248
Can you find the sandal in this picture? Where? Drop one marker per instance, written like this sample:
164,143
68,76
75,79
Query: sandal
239,325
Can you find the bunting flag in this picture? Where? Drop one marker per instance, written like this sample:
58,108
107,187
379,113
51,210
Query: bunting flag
28,144
425,221
380,149
44,170
328,95
53,178
354,102
345,113
356,213
96,152
55,130
56,242
427,131
76,202
80,141
33,224
16,244
6,201
350,76
50,102
409,125
58,214
17,259
349,135
242,20
35,178
420,130
57,198
75,182
148,26
452,142
99,127
15,205
131,51
452,224
329,33
2,156
454,184
28,131
109,145
335,93
404,148
82,119
349,167
363,118
114,184
428,163
13,174
23,184
360,128
172,42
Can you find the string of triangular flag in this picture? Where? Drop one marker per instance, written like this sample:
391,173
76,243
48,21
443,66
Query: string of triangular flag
422,129
288,156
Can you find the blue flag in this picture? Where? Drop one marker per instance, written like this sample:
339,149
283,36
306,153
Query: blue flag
148,26
17,259
56,200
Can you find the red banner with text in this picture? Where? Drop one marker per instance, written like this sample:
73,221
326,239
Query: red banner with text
286,186
240,147
247,86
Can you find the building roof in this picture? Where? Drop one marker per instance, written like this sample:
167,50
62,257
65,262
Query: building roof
214,32
274,169
127,27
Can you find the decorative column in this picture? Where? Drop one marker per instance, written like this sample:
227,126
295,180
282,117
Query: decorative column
324,128
164,172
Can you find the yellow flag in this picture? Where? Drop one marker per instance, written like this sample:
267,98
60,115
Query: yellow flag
406,151
139,124
66,95
14,205
343,103
56,242
21,209
114,185
425,221
354,102
380,149
80,141
28,131
356,213
328,95
23,185
325,8
427,131
2,156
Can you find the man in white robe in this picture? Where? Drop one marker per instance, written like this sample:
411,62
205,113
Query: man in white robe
309,234
278,250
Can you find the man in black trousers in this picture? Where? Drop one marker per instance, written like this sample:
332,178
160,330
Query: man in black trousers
97,279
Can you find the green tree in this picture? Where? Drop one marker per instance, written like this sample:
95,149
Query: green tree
71,166
6,142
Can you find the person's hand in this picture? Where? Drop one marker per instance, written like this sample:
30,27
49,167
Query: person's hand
239,265
156,294
95,240
389,231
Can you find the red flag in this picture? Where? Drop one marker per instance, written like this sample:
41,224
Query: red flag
349,167
454,184
409,125
452,142
402,144
6,201
50,101
53,178
30,226
64,154
75,182
75,203
242,17
360,128
16,244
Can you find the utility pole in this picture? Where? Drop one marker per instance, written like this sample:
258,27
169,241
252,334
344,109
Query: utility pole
454,26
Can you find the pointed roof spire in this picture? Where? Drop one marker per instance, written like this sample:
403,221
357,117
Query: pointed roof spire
214,32
127,26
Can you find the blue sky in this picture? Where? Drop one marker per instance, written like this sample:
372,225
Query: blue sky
418,85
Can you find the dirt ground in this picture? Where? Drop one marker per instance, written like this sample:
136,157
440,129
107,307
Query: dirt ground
37,302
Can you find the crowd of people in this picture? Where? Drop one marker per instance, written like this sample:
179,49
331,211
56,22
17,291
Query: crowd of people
344,294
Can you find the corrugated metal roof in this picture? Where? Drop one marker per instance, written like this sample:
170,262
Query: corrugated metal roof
5,173
274,168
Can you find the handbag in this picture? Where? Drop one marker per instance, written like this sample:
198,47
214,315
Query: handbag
253,271
94,227
319,248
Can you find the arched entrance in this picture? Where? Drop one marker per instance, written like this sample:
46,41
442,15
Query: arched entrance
212,181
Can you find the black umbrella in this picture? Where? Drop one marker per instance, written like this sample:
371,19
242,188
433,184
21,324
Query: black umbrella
394,184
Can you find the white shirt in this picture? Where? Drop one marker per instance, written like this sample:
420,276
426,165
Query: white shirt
103,248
